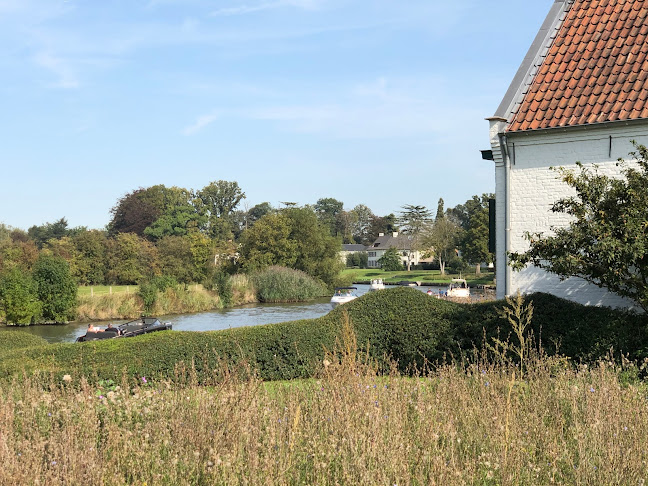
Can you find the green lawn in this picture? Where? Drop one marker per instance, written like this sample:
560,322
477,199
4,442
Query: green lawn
359,275
106,289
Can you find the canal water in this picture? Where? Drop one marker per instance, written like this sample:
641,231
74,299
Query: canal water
247,315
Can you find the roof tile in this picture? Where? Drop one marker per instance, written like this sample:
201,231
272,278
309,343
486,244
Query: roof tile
595,71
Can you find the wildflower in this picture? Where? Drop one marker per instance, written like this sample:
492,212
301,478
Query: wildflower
592,390
487,383
327,363
53,463
67,378
144,379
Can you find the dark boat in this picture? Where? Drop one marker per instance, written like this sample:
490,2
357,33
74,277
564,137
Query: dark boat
143,325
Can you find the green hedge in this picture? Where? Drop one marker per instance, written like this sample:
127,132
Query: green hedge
11,339
399,324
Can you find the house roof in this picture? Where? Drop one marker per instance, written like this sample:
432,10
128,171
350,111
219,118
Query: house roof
591,66
350,247
400,242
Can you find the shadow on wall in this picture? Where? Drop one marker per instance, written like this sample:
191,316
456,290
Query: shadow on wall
534,279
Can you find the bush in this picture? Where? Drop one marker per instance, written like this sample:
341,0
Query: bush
18,297
150,289
56,288
400,324
280,284
10,340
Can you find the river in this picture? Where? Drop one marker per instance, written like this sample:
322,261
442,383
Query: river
246,315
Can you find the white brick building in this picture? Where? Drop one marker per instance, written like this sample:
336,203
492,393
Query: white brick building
579,95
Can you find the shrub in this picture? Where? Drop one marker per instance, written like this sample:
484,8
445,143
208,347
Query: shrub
280,284
56,288
149,290
10,340
399,324
18,297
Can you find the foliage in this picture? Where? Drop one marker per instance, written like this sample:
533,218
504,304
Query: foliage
472,217
280,284
328,211
10,340
361,217
18,297
137,210
178,220
413,219
56,288
391,261
90,260
441,239
606,240
295,239
41,234
177,259
382,224
358,259
221,282
220,199
130,258
399,324
150,289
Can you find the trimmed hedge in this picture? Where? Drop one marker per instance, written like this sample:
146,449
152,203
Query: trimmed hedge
399,324
10,340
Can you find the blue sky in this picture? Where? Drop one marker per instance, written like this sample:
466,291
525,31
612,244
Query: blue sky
372,102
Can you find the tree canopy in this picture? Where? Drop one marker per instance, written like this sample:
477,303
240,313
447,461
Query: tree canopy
606,241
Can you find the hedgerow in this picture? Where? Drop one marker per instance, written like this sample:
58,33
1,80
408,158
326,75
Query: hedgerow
402,325
10,340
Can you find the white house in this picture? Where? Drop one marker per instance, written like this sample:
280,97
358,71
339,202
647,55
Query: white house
402,243
580,95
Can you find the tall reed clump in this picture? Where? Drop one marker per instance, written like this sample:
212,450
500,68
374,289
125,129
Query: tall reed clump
454,425
280,284
243,291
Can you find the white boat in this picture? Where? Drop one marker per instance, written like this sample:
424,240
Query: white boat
343,295
458,288
376,284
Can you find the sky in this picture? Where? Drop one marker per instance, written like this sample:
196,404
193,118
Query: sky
373,102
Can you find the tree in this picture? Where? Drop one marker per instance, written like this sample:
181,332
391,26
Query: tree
18,297
606,241
328,210
361,224
220,199
130,259
47,231
413,219
268,243
178,220
472,217
55,287
90,265
382,224
440,211
391,261
441,240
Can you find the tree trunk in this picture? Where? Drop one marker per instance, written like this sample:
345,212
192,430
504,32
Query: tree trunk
441,266
478,269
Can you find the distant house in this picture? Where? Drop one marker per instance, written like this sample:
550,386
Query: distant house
402,243
348,249
581,94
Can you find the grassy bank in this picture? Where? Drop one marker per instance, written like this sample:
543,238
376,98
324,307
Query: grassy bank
475,424
365,275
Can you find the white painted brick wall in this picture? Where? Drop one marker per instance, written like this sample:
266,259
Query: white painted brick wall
534,188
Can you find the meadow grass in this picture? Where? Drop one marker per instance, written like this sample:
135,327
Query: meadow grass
474,423
106,289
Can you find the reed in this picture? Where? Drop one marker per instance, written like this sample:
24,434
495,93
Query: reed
472,424
280,284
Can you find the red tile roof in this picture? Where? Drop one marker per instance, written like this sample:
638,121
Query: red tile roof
595,71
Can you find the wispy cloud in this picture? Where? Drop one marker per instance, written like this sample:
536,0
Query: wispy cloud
200,123
248,9
67,78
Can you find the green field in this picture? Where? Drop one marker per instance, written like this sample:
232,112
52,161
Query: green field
359,275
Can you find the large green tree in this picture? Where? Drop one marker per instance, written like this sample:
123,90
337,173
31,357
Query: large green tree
441,240
328,212
472,217
413,219
606,240
391,261
220,199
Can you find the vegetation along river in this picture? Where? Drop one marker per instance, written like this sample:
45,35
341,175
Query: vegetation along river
247,315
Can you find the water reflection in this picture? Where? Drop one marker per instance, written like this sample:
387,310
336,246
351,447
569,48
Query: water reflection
248,315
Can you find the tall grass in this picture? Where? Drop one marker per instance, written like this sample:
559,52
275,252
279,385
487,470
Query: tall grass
280,284
130,305
470,424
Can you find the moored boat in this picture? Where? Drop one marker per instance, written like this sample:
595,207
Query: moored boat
458,288
143,325
376,284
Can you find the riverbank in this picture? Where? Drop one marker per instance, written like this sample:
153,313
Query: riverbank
422,277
